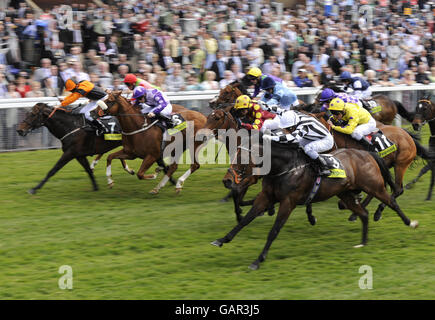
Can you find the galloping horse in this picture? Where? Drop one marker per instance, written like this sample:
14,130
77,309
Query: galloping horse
407,148
142,139
425,112
389,108
291,179
223,119
77,143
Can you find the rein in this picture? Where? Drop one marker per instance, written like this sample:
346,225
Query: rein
140,130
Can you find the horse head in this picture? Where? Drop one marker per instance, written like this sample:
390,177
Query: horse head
425,111
221,119
113,103
34,119
228,95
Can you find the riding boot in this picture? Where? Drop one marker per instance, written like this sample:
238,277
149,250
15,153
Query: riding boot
367,145
324,167
167,120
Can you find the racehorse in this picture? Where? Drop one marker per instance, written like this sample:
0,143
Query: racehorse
407,149
223,119
71,130
143,139
227,96
389,107
291,179
425,112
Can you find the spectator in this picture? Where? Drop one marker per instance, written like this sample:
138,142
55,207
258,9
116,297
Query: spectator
53,84
287,80
432,74
421,76
175,82
384,80
193,85
228,78
35,91
370,75
395,77
44,71
22,86
408,78
209,83
219,66
302,79
236,72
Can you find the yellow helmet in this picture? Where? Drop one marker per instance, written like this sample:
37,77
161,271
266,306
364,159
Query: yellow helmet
70,84
336,104
255,72
242,102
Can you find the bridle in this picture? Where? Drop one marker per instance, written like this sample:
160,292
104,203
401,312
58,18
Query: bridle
227,91
226,118
422,111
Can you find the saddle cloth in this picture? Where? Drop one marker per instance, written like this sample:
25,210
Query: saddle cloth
382,144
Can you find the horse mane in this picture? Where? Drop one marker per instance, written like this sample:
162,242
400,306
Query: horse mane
241,86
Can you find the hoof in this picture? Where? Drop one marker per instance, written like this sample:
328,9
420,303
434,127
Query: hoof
414,224
377,216
223,200
427,199
409,186
271,212
254,266
217,243
154,191
352,217
359,245
31,191
178,190
131,172
312,221
149,177
110,185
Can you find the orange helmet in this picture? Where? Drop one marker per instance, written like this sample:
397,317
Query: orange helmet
70,84
130,78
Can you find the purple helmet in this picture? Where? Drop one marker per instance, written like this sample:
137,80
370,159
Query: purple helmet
138,92
327,94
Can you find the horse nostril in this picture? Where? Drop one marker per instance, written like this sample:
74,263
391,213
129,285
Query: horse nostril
227,183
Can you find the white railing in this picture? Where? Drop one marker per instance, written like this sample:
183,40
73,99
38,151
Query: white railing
12,111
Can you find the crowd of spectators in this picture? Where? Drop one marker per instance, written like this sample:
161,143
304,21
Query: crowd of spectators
204,45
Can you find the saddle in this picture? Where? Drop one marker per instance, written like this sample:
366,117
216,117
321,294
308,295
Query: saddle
382,145
107,126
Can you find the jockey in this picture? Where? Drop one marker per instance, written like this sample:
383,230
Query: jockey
131,81
250,109
328,94
153,102
86,89
358,121
309,133
255,77
360,88
278,95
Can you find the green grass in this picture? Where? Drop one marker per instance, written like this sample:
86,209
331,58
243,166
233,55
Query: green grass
123,243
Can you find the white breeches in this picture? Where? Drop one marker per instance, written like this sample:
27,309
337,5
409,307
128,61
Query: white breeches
166,111
92,104
271,124
366,94
364,129
313,148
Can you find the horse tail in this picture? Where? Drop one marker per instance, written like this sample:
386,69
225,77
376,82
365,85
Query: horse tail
403,112
384,171
421,151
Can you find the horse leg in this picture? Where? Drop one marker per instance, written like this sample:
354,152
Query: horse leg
260,205
432,181
285,208
85,164
390,201
364,204
309,211
399,174
126,168
64,159
165,178
121,154
164,167
225,199
95,161
353,204
193,167
422,172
